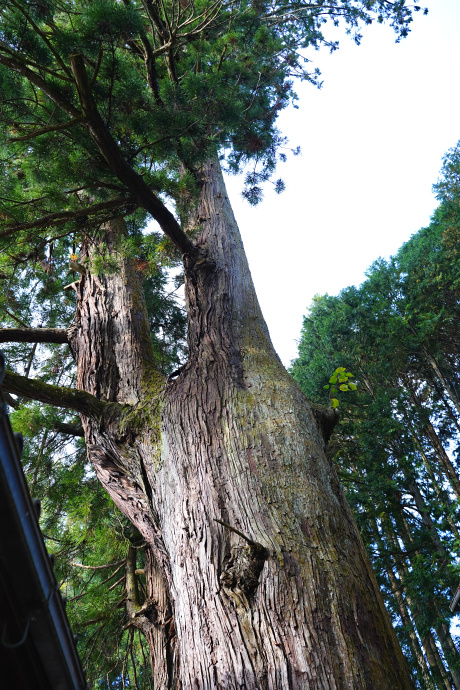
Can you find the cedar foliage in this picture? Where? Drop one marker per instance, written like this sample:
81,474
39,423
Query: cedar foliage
397,445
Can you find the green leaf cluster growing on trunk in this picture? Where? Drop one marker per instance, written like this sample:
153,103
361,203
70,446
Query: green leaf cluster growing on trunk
397,444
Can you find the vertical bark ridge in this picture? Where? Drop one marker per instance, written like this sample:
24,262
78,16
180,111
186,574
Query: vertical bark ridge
115,362
241,445
113,330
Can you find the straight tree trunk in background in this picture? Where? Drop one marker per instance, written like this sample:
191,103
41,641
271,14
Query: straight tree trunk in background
446,384
436,443
258,575
397,590
436,664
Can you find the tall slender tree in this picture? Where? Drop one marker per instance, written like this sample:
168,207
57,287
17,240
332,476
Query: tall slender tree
256,574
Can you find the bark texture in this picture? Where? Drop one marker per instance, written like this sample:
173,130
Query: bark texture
253,552
111,344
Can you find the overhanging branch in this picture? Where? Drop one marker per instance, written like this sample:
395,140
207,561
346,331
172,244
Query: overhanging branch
68,398
33,335
47,130
61,217
54,94
117,163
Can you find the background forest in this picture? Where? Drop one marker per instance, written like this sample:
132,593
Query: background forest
396,447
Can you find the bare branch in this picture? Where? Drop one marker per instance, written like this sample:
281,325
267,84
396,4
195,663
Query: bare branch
15,318
99,567
68,398
33,335
236,531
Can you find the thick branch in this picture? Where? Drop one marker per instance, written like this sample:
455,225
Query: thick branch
117,163
69,429
68,398
10,401
33,335
34,78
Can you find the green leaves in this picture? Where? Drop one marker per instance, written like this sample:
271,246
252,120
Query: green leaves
174,86
341,378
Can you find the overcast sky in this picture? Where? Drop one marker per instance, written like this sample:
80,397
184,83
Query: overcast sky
372,143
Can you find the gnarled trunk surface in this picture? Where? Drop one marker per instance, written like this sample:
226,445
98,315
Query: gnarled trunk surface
251,545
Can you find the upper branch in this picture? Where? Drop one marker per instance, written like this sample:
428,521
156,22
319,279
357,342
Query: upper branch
50,128
117,163
33,335
61,217
68,398
17,66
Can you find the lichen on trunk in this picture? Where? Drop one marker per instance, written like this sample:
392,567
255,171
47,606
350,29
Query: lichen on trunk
250,538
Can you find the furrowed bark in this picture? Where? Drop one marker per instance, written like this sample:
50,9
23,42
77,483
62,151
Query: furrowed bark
258,577
241,445
113,351
153,618
33,335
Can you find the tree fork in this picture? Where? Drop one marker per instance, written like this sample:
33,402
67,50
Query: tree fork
117,163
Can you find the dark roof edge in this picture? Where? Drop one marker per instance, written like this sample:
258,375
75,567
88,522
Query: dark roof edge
47,622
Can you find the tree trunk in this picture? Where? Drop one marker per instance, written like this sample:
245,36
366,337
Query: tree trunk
252,541
435,662
397,589
447,387
450,651
436,443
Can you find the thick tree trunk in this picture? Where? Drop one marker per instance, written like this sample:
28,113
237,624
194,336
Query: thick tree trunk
111,344
251,537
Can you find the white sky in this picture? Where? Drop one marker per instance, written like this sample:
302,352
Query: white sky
372,144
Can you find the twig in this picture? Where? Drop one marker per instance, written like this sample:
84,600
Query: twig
237,531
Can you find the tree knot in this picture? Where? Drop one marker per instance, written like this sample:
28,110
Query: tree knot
199,262
241,578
